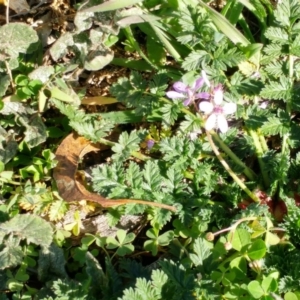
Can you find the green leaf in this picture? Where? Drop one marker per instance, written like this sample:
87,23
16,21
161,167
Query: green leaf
202,251
224,25
257,249
277,35
4,84
95,273
58,94
272,239
241,237
151,246
125,250
35,133
32,228
11,256
269,284
165,238
98,58
239,266
57,210
126,144
9,147
153,179
195,60
60,47
16,38
290,296
156,52
51,263
255,289
125,238
170,113
111,5
277,90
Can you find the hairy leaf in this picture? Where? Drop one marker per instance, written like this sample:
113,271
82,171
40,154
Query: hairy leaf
32,228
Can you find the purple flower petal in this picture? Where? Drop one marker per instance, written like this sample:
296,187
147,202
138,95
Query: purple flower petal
150,144
198,84
202,95
187,102
180,87
175,95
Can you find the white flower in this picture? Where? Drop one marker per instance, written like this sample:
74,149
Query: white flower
217,111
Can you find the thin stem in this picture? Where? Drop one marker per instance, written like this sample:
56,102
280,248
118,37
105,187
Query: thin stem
230,171
7,12
247,171
263,142
259,154
10,76
235,225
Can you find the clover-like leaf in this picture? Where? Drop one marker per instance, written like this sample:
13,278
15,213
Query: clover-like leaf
257,250
123,242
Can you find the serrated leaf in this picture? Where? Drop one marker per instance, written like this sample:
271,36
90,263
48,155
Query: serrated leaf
277,34
57,210
277,90
153,179
195,60
126,144
276,68
170,113
202,251
274,126
11,256
191,124
32,228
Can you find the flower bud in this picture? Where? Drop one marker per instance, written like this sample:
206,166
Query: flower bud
210,236
228,246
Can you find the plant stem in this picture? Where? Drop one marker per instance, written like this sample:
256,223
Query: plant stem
259,154
229,170
263,142
247,171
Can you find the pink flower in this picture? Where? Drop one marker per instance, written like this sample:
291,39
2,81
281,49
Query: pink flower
188,93
217,111
150,144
